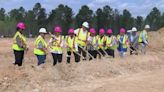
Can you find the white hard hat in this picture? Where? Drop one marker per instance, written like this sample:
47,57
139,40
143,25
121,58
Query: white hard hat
129,31
134,29
85,24
42,30
147,26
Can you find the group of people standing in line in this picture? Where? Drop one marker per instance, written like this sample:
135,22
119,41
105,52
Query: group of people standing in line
82,43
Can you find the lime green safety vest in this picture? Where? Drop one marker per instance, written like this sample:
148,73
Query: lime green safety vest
93,42
38,51
82,38
124,42
101,42
71,42
110,40
142,34
55,46
23,40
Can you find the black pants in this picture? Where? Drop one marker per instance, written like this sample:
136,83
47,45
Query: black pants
57,58
132,49
102,52
93,53
83,53
75,56
19,55
110,52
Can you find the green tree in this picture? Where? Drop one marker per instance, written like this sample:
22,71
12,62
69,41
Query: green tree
116,22
61,16
93,22
153,19
17,14
30,23
162,21
36,9
40,15
84,14
2,14
108,15
100,18
126,20
139,22
42,18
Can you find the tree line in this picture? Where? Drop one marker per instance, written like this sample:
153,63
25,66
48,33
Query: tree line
64,16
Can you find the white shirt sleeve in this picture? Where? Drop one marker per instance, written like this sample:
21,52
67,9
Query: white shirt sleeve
50,41
62,43
76,47
114,41
76,31
89,39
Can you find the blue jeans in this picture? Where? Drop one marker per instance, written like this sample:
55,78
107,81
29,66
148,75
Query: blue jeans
121,49
41,59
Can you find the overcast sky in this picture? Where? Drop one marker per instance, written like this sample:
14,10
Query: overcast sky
136,7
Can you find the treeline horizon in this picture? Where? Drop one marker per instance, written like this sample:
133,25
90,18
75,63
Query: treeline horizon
105,17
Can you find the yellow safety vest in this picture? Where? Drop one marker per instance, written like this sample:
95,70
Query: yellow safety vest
101,42
71,42
125,39
93,42
142,35
15,45
109,40
55,46
38,51
82,38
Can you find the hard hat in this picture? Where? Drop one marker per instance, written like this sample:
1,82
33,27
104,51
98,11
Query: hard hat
85,24
92,30
102,31
71,31
129,31
109,31
122,30
42,30
147,26
134,29
21,25
57,29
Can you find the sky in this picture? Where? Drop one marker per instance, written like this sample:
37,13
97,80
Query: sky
136,7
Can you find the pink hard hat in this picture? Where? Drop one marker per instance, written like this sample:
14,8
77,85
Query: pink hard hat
109,31
21,25
92,30
122,30
57,29
71,31
102,31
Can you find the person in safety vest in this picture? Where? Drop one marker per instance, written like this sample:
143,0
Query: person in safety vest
82,35
143,39
110,43
41,46
101,42
56,45
129,33
72,47
19,44
92,43
133,41
122,41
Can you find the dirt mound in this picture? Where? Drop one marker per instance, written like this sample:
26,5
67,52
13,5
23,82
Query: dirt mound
75,77
161,30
